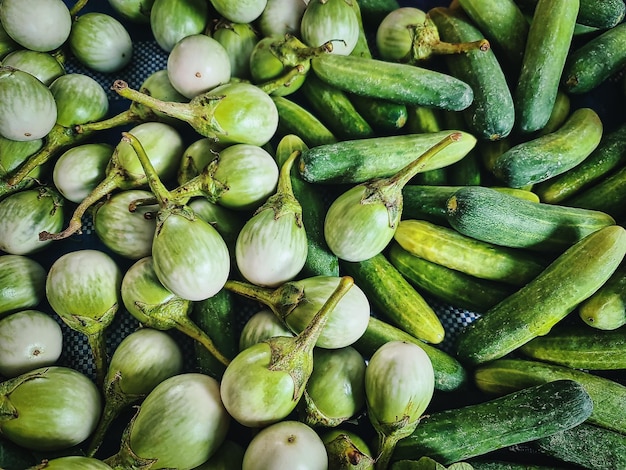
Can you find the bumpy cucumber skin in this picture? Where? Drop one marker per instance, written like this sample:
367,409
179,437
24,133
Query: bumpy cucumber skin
608,155
496,217
547,156
580,347
400,83
450,375
606,308
457,434
507,375
294,119
448,285
602,15
587,446
607,195
504,25
335,109
548,43
535,308
447,247
390,293
491,115
359,160
595,61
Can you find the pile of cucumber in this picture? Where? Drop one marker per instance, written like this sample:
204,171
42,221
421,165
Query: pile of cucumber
283,204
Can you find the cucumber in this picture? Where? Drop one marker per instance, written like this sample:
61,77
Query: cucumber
587,446
400,83
502,219
607,195
606,308
560,113
491,115
457,434
580,347
547,46
535,308
549,155
595,61
504,25
383,116
335,109
359,160
507,375
483,464
447,247
608,155
398,300
592,13
448,285
294,119
450,375
320,261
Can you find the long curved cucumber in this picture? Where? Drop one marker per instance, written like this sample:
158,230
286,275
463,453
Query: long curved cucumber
535,308
359,160
503,219
492,114
457,434
549,155
547,46
400,83
595,61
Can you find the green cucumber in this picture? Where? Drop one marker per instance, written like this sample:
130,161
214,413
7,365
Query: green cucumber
592,13
504,25
549,155
607,195
458,434
608,155
560,113
507,375
294,119
447,247
359,160
335,109
586,446
595,61
320,261
580,347
535,308
448,285
450,375
547,45
383,116
502,219
606,308
483,464
395,298
400,83
469,169
491,115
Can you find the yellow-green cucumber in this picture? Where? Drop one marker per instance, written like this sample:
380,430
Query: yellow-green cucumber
335,110
504,25
400,83
508,375
426,202
607,195
579,347
544,157
608,155
447,247
491,115
535,308
595,61
560,113
396,300
448,285
496,217
606,308
457,434
295,119
450,375
547,46
360,160
585,446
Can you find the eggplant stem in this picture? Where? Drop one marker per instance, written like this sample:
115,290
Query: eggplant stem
191,329
446,48
386,445
78,6
97,342
251,291
283,81
122,119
